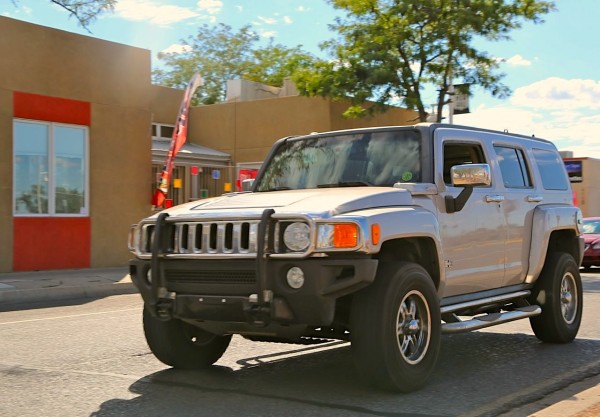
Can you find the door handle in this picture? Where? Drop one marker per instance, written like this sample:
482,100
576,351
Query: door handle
534,198
494,198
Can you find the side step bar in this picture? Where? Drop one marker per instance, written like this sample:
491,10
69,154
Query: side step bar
487,320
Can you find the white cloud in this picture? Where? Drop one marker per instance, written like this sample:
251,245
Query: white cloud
19,10
177,49
239,8
210,6
287,20
559,93
147,10
518,61
267,20
302,9
560,110
268,33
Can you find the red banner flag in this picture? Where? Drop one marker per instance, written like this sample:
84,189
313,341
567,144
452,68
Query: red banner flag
177,141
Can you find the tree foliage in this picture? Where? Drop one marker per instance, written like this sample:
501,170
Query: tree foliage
389,51
85,11
220,54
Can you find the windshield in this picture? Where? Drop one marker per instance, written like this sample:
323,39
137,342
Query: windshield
591,226
380,158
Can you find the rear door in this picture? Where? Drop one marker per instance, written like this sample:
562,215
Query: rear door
520,200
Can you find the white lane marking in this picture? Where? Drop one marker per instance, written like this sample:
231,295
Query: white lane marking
70,316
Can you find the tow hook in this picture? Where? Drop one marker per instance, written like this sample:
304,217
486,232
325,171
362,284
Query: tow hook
164,309
259,314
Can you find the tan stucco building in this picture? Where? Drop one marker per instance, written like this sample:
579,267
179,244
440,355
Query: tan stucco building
584,174
83,133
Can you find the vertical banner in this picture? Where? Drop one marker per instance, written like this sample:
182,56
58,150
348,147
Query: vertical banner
177,141
461,99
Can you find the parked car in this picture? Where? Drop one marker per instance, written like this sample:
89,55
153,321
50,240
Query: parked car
591,235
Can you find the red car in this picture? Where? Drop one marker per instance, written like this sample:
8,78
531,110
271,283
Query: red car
591,235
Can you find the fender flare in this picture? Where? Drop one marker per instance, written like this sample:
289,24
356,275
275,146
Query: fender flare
546,220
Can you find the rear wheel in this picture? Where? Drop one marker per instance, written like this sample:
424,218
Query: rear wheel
395,328
558,292
182,345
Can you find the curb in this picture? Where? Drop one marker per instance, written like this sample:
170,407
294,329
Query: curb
15,297
49,286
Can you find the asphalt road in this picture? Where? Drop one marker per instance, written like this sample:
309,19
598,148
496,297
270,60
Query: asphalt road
90,359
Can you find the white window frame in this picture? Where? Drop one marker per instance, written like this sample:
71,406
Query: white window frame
159,127
85,210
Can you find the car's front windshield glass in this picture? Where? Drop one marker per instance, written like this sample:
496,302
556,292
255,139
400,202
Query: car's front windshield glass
380,158
591,226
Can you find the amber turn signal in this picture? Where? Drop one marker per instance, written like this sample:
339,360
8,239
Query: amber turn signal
345,235
375,233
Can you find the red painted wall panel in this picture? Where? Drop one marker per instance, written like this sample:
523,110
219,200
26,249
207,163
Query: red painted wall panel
51,109
42,243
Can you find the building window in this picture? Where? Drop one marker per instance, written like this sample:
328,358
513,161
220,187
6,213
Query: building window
162,131
50,169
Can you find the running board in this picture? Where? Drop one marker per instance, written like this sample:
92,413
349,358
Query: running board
491,319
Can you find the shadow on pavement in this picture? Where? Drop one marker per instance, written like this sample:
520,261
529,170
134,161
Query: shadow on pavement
478,374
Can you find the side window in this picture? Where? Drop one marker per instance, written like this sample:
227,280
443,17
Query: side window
513,167
459,154
552,169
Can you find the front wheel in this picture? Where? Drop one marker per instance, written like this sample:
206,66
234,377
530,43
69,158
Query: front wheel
559,293
395,328
182,345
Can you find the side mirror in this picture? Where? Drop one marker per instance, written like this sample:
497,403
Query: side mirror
471,174
467,176
247,184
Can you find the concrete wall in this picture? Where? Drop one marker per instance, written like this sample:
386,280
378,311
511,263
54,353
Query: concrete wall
247,130
115,80
6,182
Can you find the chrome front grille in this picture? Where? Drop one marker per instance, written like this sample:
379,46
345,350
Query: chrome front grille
198,239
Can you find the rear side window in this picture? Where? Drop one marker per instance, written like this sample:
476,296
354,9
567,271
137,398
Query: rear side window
552,169
513,167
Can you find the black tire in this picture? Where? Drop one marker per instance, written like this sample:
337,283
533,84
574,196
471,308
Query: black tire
182,345
395,328
559,293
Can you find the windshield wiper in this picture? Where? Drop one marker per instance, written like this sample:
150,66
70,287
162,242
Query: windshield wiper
345,184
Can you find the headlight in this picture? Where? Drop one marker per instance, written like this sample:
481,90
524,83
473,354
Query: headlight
297,236
337,236
596,245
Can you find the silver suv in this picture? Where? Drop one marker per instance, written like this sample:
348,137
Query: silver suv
386,237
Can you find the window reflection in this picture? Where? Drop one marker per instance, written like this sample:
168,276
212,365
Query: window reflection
49,168
69,169
31,168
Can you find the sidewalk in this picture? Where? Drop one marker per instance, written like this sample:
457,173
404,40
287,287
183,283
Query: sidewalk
27,287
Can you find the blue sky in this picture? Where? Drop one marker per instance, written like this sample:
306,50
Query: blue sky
553,68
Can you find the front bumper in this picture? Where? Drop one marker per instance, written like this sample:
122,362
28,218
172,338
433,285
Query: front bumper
232,291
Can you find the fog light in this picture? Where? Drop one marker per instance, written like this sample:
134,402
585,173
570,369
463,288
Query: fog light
295,277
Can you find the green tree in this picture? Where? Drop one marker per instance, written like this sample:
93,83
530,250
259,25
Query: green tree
85,11
389,51
220,54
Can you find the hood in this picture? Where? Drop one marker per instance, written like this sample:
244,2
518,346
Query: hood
323,203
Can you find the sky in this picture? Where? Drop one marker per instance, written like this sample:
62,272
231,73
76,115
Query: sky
552,68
